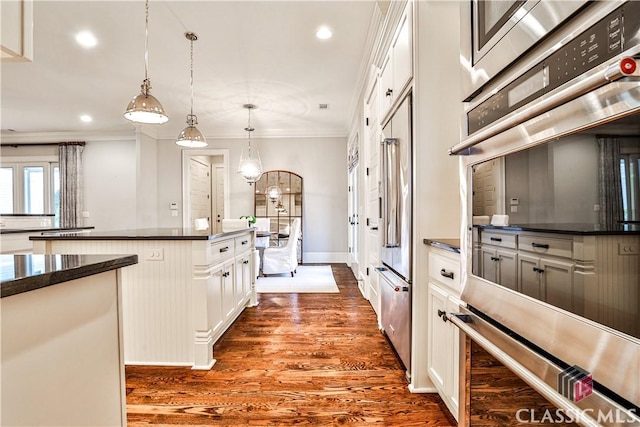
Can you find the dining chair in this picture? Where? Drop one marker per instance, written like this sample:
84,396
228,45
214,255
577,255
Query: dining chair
283,259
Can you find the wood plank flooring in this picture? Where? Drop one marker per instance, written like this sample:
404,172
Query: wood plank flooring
295,359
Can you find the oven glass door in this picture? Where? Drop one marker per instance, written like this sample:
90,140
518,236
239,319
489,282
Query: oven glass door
492,16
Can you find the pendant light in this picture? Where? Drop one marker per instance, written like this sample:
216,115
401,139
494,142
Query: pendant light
145,108
190,136
250,167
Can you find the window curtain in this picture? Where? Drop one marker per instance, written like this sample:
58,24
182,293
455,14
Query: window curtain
70,159
610,182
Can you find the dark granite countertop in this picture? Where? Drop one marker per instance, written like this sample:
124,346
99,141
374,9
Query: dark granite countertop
568,228
24,273
140,234
40,229
452,245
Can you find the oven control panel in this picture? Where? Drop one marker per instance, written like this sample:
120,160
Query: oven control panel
602,41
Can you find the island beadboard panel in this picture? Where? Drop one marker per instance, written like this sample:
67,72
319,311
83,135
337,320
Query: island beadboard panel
180,297
156,298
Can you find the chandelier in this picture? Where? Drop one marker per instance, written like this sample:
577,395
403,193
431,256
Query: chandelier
145,108
250,168
190,136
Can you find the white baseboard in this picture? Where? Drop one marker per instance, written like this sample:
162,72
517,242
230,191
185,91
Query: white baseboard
413,389
329,257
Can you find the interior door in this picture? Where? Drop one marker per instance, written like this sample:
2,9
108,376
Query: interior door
353,221
200,196
219,197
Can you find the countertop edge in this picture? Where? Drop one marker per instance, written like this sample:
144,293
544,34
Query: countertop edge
89,236
549,230
40,229
32,283
451,245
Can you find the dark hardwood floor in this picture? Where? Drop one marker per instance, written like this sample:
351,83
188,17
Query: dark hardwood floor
295,359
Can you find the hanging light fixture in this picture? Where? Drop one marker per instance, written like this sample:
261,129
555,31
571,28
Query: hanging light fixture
250,167
145,108
190,136
273,193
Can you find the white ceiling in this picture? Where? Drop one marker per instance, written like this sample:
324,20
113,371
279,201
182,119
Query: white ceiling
260,52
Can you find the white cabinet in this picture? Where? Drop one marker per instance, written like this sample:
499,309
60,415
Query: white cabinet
444,349
397,69
500,266
242,279
547,280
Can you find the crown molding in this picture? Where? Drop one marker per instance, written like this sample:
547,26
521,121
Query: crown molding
40,137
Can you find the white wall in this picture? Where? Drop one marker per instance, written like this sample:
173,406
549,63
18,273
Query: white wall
146,185
110,184
320,161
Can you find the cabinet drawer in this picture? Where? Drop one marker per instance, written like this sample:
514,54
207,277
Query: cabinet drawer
444,270
501,240
221,250
546,245
242,244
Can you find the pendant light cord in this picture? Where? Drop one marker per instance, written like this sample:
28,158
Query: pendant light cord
146,40
249,128
191,65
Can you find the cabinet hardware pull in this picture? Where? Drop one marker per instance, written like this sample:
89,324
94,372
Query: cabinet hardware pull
244,242
225,249
496,239
495,258
225,274
388,92
443,315
538,270
374,228
447,274
245,261
539,245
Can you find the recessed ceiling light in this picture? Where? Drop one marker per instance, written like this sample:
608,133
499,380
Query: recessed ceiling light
324,33
86,118
86,39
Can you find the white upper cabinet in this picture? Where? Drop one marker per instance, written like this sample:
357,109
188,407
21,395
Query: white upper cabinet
397,69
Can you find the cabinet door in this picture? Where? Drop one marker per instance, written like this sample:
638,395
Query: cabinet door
402,56
246,278
507,269
386,84
238,293
529,277
215,288
557,280
438,356
488,267
228,302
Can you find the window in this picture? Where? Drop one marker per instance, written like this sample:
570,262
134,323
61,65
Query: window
30,188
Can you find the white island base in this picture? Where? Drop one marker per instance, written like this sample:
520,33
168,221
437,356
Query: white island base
185,291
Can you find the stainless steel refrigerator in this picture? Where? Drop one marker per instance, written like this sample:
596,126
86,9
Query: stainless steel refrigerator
396,189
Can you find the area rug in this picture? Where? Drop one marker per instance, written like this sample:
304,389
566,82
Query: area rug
308,279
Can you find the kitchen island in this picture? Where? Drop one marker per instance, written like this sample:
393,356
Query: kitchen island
62,359
187,289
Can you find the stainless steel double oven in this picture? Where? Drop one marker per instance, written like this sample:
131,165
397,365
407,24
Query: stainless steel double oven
550,143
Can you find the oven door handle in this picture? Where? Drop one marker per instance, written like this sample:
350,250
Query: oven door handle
613,72
471,325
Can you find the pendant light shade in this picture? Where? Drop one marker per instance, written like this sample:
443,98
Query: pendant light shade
190,136
145,108
250,167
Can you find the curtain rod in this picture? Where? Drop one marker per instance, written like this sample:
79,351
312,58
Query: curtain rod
42,144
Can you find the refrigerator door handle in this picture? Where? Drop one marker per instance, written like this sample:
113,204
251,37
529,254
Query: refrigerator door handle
391,199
